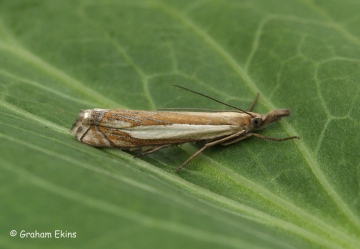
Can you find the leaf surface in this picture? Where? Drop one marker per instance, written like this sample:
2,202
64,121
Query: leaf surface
58,57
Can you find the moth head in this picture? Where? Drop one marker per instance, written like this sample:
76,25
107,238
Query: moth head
260,121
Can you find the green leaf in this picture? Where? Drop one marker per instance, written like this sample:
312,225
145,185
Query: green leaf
58,57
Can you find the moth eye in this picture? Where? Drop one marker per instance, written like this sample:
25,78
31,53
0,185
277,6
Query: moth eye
256,122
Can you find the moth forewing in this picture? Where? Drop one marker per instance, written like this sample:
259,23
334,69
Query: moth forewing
127,129
154,130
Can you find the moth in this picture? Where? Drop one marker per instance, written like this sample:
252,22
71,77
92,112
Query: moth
149,131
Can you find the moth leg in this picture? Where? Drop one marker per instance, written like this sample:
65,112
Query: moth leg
207,145
237,139
272,138
153,150
259,136
253,103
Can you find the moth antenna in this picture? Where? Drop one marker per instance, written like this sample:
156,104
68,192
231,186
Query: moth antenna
206,96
